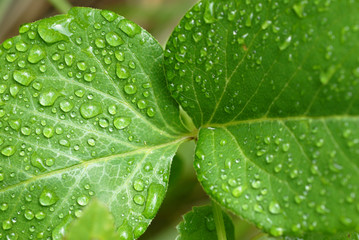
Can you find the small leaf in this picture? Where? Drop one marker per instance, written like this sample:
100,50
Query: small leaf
200,224
73,126
273,87
96,222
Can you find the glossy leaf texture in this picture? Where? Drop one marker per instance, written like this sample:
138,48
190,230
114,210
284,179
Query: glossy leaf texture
84,112
200,224
273,85
95,222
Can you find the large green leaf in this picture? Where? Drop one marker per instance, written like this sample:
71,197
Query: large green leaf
84,111
274,87
200,224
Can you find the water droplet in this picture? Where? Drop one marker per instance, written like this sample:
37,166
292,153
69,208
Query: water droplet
81,66
121,122
208,15
48,132
36,54
139,199
122,72
142,104
155,195
37,162
109,15
26,131
151,112
274,207
125,232
131,29
113,39
23,76
237,192
100,43
59,231
40,215
91,142
48,97
15,124
266,24
130,89
299,9
325,76
4,207
66,106
286,43
29,215
55,29
138,185
8,151
7,224
69,59
90,109
83,200
276,231
48,197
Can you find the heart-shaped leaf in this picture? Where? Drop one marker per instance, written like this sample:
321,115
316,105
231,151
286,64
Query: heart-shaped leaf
274,87
84,111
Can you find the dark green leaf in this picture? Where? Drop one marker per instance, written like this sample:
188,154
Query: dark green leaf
199,224
84,111
274,87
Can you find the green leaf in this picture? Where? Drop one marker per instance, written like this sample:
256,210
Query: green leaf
339,236
96,222
84,112
274,87
200,224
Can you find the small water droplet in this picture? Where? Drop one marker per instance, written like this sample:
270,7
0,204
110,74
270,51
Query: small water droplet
109,15
83,200
66,106
122,72
36,54
286,43
274,207
48,97
130,89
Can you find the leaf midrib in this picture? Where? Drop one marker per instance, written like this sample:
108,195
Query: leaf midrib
94,161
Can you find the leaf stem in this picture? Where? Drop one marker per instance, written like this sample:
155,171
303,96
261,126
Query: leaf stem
63,6
218,220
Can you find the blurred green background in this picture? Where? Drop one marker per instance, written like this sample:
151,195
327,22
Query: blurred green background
159,17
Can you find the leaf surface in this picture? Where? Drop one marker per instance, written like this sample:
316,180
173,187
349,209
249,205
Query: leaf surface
200,224
84,111
273,85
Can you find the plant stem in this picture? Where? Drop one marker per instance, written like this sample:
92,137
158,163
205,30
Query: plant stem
63,6
218,220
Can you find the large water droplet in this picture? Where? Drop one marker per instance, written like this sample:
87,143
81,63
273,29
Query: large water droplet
122,72
36,54
48,197
8,151
48,97
109,15
55,29
274,207
121,122
23,76
128,27
113,39
155,195
90,109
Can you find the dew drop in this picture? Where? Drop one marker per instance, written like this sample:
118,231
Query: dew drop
122,72
48,97
130,89
8,151
237,192
7,224
121,122
286,43
48,197
138,185
37,162
83,200
29,215
90,109
66,106
23,76
125,232
69,59
129,28
113,39
139,199
155,195
36,54
109,15
274,207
